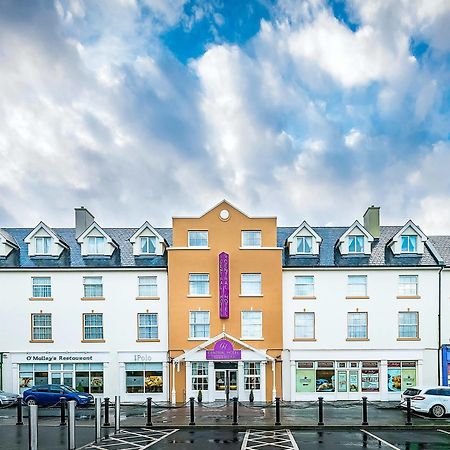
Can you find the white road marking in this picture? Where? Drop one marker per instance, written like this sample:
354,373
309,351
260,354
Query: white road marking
256,439
381,440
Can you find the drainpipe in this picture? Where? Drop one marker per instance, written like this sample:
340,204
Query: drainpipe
440,361
1,371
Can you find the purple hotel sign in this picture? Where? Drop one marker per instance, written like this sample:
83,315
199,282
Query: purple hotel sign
223,349
224,286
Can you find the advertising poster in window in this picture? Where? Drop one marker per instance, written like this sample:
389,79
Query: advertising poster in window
324,380
342,381
408,378
394,377
305,380
370,380
353,381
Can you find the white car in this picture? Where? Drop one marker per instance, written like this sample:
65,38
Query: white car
433,400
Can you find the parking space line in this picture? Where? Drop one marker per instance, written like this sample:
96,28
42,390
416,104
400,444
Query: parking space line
443,431
244,442
256,439
380,440
160,438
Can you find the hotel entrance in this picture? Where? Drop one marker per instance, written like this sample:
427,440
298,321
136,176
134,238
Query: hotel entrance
226,380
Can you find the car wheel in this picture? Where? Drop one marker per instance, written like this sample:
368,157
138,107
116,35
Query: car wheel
437,411
31,401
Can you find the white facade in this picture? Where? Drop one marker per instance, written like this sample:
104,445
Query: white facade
67,353
363,365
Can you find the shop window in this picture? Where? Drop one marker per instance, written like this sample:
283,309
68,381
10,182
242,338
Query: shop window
143,378
251,284
357,285
89,377
200,376
304,286
41,327
148,286
42,287
408,285
199,284
370,376
252,376
401,375
93,287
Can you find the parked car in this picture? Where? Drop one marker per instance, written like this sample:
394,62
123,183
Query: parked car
51,394
433,400
8,398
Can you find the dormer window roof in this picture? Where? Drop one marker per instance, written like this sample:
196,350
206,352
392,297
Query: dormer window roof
409,240
355,241
304,241
95,241
43,241
147,241
7,243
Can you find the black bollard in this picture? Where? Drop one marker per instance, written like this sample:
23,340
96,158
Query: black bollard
235,411
364,411
277,411
19,411
191,407
149,412
408,411
320,422
62,404
106,424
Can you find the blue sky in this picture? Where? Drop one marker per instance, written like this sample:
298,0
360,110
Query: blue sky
145,109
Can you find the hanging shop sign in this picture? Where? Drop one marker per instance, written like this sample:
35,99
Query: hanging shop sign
224,285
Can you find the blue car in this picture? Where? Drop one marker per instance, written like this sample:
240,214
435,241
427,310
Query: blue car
51,394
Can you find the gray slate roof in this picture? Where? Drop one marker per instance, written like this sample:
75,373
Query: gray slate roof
329,255
442,245
122,256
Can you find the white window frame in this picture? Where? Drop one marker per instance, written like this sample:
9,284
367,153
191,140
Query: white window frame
199,372
150,240
403,290
301,284
87,285
248,238
193,324
195,241
352,292
149,282
87,327
96,245
247,285
246,326
304,238
46,243
194,285
252,375
40,287
403,325
408,236
308,328
352,334
143,327
355,238
44,328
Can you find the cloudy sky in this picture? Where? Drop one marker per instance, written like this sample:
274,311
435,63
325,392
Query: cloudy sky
304,109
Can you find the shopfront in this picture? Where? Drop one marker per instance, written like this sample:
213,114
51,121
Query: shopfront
445,365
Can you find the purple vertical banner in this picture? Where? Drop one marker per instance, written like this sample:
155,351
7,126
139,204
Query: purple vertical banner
224,285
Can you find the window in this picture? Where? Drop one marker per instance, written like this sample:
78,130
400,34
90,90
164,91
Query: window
304,325
251,284
252,376
43,245
198,238
357,325
251,325
200,376
409,244
89,377
356,244
148,244
147,326
148,286
357,285
41,327
408,285
408,325
92,326
304,286
96,245
304,244
251,239
198,284
199,324
401,375
42,287
93,287
143,378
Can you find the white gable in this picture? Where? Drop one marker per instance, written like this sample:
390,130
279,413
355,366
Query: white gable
304,230
409,229
57,245
356,229
147,230
7,244
94,230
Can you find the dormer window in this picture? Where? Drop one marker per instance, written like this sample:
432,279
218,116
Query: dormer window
198,238
251,239
43,245
96,245
356,244
148,244
304,244
409,244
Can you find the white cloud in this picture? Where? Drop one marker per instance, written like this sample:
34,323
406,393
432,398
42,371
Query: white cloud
353,139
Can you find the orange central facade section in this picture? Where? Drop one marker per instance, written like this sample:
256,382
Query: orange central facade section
254,325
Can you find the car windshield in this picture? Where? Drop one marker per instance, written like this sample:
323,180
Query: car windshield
69,389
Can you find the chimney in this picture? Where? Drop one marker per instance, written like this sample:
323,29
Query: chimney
83,220
372,221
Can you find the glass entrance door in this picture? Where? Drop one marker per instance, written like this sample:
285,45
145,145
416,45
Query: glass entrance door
226,382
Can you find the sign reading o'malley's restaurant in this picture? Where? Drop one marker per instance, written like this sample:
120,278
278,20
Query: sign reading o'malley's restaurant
223,349
224,285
